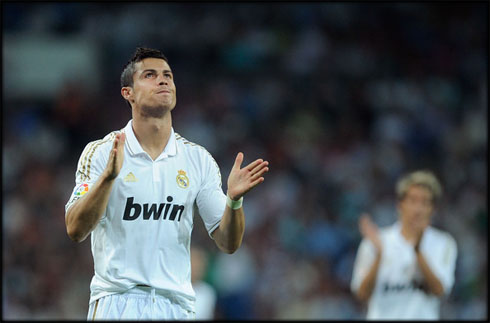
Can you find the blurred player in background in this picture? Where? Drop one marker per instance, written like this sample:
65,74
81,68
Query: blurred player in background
136,191
404,270
205,293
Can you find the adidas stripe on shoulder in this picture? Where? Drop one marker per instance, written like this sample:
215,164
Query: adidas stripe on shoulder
86,159
187,142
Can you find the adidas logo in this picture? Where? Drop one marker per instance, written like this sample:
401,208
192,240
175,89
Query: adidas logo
130,178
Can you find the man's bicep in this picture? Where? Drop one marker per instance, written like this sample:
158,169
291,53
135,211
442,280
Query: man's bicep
210,200
211,204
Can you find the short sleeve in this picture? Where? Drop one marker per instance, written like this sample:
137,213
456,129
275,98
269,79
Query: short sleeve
211,201
444,264
362,264
90,166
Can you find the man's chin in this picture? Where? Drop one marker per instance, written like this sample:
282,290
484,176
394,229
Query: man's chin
155,112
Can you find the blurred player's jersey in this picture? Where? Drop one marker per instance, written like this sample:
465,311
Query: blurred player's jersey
400,291
143,237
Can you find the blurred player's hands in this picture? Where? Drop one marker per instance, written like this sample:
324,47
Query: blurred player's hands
417,229
116,157
242,180
369,230
419,232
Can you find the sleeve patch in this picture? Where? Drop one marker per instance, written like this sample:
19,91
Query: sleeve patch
81,190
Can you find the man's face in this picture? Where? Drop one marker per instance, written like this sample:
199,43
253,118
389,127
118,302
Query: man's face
416,208
153,92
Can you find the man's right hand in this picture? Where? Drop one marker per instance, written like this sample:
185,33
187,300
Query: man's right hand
369,230
116,157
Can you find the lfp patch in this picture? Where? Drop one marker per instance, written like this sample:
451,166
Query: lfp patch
82,189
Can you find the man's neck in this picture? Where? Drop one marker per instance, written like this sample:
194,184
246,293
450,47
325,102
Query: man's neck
408,234
152,133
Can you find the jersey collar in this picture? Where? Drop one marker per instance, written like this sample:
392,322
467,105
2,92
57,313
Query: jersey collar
397,232
136,149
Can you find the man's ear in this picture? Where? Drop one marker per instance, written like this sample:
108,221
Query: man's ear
126,92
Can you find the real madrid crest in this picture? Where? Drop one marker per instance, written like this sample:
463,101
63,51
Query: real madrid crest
182,179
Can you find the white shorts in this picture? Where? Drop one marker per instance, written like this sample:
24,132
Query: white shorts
137,304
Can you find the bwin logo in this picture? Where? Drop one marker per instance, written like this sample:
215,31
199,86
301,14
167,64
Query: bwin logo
148,210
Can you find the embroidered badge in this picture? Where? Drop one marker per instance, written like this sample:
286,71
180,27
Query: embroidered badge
81,190
182,179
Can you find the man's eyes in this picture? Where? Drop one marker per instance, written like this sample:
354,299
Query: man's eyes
151,74
425,202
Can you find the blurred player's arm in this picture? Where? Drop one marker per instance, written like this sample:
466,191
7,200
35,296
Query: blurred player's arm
433,283
370,231
228,236
367,285
82,217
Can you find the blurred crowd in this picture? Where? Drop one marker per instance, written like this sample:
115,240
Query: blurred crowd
340,98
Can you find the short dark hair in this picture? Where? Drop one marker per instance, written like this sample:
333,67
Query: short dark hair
140,54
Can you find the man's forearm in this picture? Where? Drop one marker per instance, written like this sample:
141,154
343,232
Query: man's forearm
85,213
433,283
229,234
367,285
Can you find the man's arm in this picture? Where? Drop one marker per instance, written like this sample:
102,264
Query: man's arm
433,283
370,231
228,236
367,285
82,217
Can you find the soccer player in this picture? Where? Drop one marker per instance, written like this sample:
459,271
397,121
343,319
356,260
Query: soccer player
405,269
136,191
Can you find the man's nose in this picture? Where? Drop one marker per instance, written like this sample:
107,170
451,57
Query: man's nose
162,80
419,210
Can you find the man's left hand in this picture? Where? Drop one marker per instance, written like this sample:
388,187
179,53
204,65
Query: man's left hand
242,180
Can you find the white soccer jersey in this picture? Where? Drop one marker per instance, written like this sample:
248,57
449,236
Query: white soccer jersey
144,234
399,292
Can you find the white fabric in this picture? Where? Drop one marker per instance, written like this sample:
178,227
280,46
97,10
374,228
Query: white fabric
205,300
129,245
396,295
137,304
